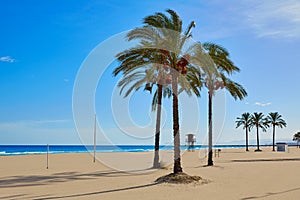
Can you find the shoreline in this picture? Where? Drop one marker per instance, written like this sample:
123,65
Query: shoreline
21,150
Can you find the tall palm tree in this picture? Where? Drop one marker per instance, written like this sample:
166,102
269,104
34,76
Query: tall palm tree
161,36
244,121
149,57
156,105
177,65
259,121
297,138
275,119
215,80
138,78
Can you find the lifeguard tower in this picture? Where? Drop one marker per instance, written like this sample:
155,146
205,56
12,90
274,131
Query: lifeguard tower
190,139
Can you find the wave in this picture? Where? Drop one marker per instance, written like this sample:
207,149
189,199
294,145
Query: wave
4,153
14,150
19,153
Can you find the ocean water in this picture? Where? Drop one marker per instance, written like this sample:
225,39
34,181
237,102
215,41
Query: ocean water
12,150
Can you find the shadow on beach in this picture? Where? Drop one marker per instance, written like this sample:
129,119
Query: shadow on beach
271,194
98,192
268,160
38,180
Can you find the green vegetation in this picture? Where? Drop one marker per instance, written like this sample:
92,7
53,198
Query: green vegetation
217,79
275,120
297,138
258,120
164,58
245,122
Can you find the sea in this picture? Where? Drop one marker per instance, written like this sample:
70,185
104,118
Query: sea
13,150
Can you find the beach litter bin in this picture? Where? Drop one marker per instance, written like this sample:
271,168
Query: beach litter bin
282,146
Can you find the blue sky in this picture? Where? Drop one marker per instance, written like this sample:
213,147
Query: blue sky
44,43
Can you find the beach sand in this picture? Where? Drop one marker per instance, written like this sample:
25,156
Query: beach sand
236,175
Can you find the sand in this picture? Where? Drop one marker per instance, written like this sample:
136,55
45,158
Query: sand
236,175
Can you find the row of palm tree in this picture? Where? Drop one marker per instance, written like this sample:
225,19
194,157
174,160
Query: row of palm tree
166,60
258,120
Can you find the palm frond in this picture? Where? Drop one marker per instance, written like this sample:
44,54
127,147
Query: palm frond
244,120
236,90
145,33
176,21
275,119
154,100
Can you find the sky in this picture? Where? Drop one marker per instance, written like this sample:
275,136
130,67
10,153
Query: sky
45,45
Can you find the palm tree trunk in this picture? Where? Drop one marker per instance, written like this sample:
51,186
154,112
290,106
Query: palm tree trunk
247,139
273,137
176,134
210,152
257,138
157,129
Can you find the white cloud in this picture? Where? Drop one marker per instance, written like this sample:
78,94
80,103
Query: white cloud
7,59
264,18
262,104
274,18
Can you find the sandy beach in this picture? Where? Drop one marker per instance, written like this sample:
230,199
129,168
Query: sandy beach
236,175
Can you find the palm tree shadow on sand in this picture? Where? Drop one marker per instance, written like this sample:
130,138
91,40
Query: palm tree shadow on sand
38,180
214,166
99,192
269,194
268,160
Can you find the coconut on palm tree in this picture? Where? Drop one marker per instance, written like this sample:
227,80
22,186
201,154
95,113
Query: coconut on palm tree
258,120
160,41
215,78
244,121
297,138
148,56
177,64
275,120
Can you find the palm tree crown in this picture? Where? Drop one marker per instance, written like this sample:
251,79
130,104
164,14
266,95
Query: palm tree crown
158,59
245,122
275,120
297,138
258,120
214,75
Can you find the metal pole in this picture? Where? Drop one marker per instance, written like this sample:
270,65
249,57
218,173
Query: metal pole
47,156
95,139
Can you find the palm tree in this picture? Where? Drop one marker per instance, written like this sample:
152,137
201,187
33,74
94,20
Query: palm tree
259,121
137,78
218,80
156,105
275,119
244,121
297,138
160,37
